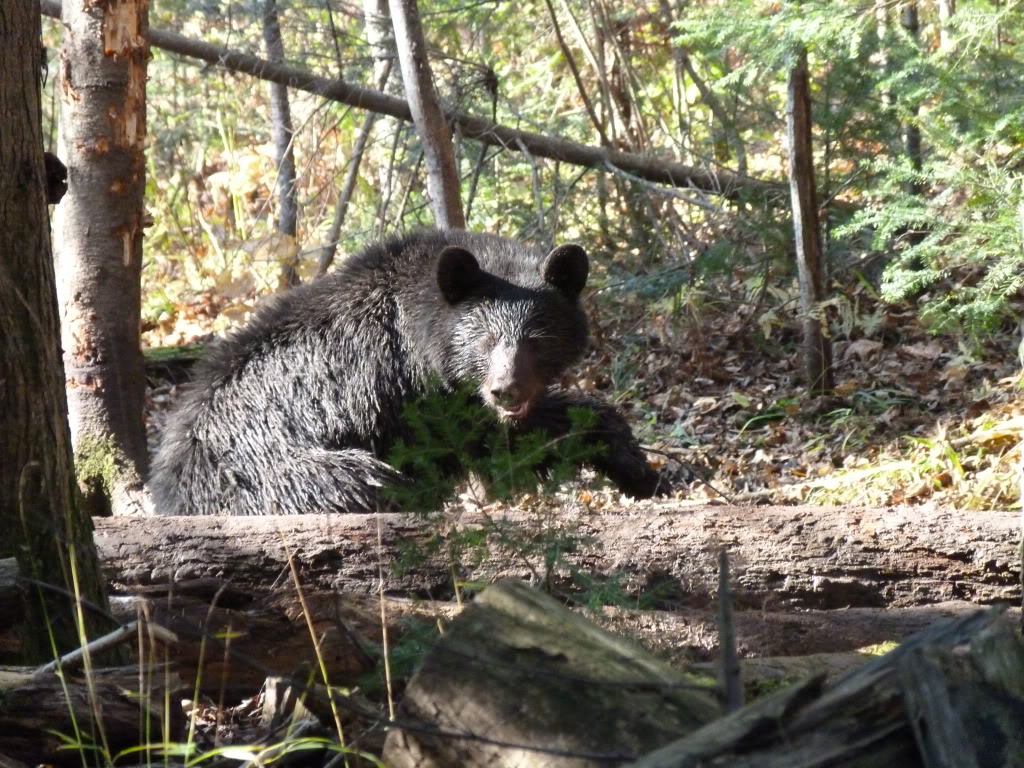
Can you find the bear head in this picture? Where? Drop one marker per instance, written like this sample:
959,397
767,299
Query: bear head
517,322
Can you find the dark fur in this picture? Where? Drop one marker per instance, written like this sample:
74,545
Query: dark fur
296,411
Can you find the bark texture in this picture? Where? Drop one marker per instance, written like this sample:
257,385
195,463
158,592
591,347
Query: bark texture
950,697
806,557
43,524
102,85
443,186
118,709
519,668
817,349
659,170
249,637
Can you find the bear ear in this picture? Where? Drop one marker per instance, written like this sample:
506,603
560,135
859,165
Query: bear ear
566,268
458,274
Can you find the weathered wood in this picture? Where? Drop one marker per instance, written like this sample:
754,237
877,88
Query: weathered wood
806,557
685,635
543,687
102,88
270,636
871,719
126,698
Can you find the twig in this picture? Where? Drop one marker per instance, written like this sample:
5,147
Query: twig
686,465
104,643
668,191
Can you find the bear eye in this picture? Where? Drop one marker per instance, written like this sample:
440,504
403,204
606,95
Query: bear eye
488,340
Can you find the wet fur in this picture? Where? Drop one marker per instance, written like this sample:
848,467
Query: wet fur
296,411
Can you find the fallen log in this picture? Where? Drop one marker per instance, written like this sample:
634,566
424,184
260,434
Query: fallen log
519,680
783,557
118,708
951,696
233,650
686,635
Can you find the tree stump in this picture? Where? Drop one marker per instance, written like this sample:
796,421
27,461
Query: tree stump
519,680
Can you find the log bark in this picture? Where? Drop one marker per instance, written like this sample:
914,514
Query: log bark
127,703
687,635
793,557
42,521
949,697
519,680
99,263
658,170
265,637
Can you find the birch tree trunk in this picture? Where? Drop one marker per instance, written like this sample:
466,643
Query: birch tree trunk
103,131
283,134
379,35
817,349
43,523
435,137
947,9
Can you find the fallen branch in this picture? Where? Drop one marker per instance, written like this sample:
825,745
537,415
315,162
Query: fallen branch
110,640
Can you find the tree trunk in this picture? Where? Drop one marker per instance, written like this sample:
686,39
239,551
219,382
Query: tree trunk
103,132
912,131
435,136
281,128
43,523
379,34
817,348
517,667
947,9
802,557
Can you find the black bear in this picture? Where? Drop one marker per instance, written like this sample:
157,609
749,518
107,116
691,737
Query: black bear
297,411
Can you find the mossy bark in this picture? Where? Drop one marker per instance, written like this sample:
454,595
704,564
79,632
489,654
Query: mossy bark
99,265
41,517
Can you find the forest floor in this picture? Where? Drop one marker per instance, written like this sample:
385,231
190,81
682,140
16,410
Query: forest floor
711,381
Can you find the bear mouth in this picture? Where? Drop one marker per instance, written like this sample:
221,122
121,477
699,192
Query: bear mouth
515,412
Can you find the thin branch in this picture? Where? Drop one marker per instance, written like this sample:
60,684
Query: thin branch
571,61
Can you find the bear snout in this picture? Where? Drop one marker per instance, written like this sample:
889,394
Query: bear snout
512,382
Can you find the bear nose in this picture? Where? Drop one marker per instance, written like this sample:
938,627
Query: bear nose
506,394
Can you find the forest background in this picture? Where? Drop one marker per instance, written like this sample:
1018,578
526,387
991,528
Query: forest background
694,299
